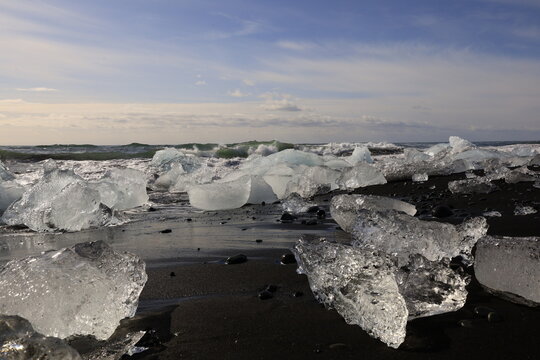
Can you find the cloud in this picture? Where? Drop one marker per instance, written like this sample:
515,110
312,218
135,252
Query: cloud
279,102
248,82
12,101
246,28
237,93
37,89
200,83
295,45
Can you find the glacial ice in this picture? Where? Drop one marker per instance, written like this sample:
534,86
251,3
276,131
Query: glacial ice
360,175
278,177
164,159
521,174
368,289
10,192
5,174
479,185
459,145
313,180
231,194
360,154
84,289
295,204
412,155
122,188
166,180
510,267
420,177
522,210
19,341
345,208
60,200
403,235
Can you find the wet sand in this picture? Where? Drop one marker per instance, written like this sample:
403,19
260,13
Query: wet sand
197,307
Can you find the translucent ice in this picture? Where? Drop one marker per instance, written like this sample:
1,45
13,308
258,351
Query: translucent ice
10,192
84,289
313,180
360,154
479,185
345,208
412,155
522,210
122,188
278,177
166,180
420,177
231,194
19,341
521,174
360,175
510,266
60,200
164,159
5,174
403,235
295,204
459,145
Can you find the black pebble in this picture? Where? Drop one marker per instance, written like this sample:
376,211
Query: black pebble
313,209
244,229
236,259
494,317
286,217
189,219
441,211
172,274
483,311
151,208
198,249
288,259
166,231
223,222
263,203
253,218
265,295
297,294
321,214
258,241
271,288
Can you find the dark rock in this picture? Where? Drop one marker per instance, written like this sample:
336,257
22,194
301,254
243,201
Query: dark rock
236,259
263,203
166,231
321,214
297,294
465,323
483,311
189,219
313,209
151,208
258,241
288,259
271,288
172,274
311,222
244,229
442,211
494,317
287,218
198,249
265,295
223,222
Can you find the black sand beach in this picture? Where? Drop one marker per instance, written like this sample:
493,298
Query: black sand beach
198,307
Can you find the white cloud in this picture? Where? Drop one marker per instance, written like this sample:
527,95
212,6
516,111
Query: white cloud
37,89
12,101
279,102
237,93
248,82
295,45
200,83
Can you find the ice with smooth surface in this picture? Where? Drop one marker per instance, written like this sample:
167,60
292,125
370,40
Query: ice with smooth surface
60,200
479,185
84,289
122,189
19,341
166,180
521,174
295,204
510,266
360,154
403,235
278,178
5,174
421,177
313,180
522,210
345,208
10,192
232,194
412,155
360,175
368,289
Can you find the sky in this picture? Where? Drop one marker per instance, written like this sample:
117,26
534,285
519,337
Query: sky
177,71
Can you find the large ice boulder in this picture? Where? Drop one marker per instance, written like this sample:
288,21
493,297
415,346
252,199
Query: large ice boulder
61,200
10,192
122,188
164,159
84,289
360,154
510,267
278,178
345,208
19,341
459,145
231,194
313,180
367,288
361,175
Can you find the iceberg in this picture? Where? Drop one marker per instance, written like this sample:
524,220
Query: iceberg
231,194
510,267
367,288
10,192
412,155
360,154
84,289
164,159
19,341
360,175
122,189
459,145
345,208
60,200
166,180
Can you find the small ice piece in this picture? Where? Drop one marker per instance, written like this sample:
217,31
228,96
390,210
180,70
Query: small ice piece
295,204
403,235
522,210
360,175
510,267
60,200
459,145
521,174
480,185
359,284
537,184
313,180
360,154
19,341
122,189
232,194
5,174
437,149
10,192
164,159
492,214
345,208
84,289
420,177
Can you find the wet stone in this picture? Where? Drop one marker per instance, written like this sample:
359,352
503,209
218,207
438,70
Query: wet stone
466,323
172,274
442,211
236,259
483,311
151,209
494,317
297,294
258,241
265,295
189,219
321,214
166,231
288,259
287,218
313,209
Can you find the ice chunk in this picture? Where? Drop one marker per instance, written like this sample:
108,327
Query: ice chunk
19,341
522,210
360,175
122,188
345,208
169,178
412,155
5,174
313,181
84,289
278,177
479,185
359,284
403,235
231,194
459,145
295,204
510,266
359,155
420,177
437,149
521,174
10,192
60,200
492,214
164,159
